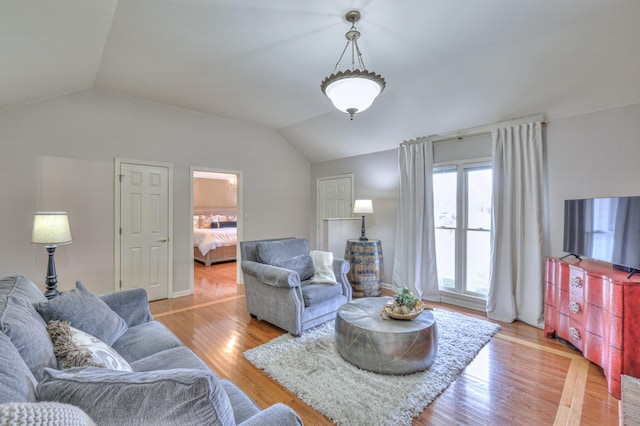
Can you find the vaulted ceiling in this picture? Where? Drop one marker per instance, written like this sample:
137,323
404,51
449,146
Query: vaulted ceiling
449,64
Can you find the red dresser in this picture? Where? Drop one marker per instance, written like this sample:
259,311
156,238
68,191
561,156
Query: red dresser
597,309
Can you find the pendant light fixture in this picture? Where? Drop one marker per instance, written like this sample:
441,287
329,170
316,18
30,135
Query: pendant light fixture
353,90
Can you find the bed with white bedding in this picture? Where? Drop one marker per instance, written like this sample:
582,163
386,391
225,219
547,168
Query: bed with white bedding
215,235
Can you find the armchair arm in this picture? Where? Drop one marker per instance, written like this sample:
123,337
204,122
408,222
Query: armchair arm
340,269
131,305
271,275
276,415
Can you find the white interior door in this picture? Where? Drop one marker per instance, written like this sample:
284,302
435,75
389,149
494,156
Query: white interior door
145,254
335,199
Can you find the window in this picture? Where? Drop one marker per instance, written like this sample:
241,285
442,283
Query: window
462,210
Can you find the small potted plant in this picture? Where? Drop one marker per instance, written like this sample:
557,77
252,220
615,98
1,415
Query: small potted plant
404,305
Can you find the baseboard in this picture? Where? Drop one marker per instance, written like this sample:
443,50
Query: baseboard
463,300
180,294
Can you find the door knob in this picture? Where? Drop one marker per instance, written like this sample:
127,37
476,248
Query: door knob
164,240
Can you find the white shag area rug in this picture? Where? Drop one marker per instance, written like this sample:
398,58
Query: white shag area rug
311,367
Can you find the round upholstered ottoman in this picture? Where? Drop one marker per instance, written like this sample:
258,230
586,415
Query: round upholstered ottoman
391,346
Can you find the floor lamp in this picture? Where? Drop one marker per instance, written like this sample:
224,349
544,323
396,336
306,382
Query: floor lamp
51,229
363,206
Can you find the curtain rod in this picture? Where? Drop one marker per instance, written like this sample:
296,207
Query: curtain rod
476,131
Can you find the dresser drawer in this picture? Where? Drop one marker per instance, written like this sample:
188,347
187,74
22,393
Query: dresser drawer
594,348
570,330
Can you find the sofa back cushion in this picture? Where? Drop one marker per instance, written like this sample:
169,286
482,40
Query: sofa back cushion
169,397
17,383
272,252
28,333
18,285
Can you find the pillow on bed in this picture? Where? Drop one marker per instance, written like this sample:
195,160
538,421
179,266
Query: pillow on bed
214,225
227,224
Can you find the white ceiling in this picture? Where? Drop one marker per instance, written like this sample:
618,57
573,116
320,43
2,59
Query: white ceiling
449,64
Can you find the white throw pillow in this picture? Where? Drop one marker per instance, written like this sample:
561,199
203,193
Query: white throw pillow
100,351
322,267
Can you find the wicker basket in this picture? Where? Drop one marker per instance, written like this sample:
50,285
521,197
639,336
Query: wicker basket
417,310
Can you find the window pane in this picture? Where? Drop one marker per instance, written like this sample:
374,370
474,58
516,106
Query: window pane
479,198
446,257
478,258
444,198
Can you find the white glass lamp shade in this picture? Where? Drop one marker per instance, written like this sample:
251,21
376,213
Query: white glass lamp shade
363,206
353,91
51,228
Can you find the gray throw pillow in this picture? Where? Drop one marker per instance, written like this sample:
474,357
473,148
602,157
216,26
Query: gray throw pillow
28,333
303,265
17,383
162,397
84,311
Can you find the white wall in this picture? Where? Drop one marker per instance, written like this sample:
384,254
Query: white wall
58,154
376,178
590,155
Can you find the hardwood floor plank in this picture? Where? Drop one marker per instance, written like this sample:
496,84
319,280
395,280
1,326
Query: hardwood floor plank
520,377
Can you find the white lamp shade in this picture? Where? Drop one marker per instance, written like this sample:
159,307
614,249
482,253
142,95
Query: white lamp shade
353,93
363,206
51,228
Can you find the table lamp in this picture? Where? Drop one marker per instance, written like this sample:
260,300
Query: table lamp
363,207
51,229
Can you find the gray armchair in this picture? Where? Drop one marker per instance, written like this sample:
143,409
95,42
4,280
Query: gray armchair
278,288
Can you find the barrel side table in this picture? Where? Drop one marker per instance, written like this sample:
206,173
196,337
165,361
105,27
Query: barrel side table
367,267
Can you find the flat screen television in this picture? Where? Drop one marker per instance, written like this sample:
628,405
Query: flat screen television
606,229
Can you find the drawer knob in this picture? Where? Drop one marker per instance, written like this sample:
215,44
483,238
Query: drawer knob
574,307
574,333
576,282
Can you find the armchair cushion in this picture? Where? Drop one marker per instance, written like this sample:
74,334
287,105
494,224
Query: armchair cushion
272,252
84,311
314,294
169,397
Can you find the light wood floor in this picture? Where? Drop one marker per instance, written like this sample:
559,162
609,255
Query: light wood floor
519,378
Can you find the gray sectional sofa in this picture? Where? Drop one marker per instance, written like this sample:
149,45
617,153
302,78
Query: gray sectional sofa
164,382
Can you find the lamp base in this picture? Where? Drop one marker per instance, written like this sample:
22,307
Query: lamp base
52,278
362,236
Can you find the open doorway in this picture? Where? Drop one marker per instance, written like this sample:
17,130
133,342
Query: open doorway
217,227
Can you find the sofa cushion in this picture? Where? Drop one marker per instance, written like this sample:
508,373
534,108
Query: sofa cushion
18,285
145,339
17,383
271,252
243,407
180,357
43,413
302,264
168,397
314,294
75,348
28,333
84,311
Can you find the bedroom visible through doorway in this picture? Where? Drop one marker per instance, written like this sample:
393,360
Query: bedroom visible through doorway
215,203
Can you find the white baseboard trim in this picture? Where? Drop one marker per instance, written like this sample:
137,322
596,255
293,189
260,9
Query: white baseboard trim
463,300
180,294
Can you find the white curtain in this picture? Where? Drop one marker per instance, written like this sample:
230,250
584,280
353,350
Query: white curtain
517,260
414,264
